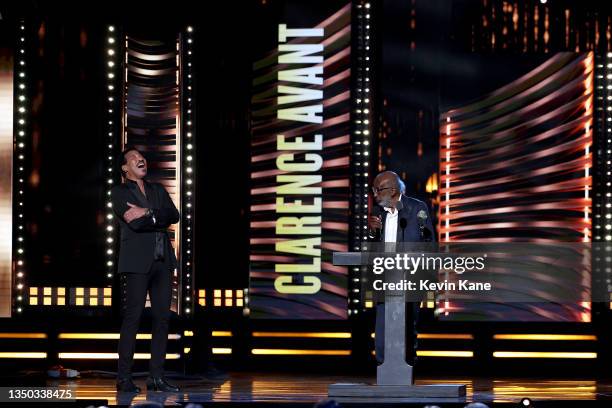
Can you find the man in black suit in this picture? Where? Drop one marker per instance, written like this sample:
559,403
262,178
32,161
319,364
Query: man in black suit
389,226
146,263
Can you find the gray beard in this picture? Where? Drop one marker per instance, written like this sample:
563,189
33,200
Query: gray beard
386,203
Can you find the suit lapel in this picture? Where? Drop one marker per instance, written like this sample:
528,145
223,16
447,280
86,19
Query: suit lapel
140,199
153,202
403,213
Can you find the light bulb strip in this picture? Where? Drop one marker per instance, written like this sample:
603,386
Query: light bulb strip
22,136
188,174
112,62
361,147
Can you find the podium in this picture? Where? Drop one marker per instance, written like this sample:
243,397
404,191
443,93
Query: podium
394,377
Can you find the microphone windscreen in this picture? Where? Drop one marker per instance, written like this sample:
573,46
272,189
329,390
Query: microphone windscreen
376,211
422,216
403,222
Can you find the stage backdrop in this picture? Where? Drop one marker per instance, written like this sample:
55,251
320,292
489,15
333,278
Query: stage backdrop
300,144
515,166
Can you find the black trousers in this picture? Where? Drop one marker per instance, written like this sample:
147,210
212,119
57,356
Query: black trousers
134,287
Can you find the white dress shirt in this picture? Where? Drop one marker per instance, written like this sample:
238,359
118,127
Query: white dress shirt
391,224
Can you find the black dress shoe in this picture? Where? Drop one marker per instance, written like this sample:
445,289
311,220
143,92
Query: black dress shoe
127,385
160,384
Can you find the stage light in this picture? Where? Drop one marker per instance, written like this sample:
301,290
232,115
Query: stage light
526,402
111,356
23,354
544,354
546,337
300,352
445,353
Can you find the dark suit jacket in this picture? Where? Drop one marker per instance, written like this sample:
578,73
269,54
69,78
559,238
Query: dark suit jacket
138,237
412,232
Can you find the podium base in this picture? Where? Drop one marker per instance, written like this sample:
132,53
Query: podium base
396,391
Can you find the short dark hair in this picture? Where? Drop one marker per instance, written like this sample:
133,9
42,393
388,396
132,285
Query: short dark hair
122,159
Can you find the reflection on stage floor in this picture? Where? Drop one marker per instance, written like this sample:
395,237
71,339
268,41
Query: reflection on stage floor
305,390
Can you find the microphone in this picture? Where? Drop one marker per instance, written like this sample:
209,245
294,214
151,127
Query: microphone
376,234
422,219
403,223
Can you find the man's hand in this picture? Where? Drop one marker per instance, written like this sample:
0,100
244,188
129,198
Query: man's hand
133,213
374,223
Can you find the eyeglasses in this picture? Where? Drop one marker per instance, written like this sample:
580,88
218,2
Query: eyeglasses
377,190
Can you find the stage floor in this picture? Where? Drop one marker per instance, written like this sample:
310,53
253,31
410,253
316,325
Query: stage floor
249,389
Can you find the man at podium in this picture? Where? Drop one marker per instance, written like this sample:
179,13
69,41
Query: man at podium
397,218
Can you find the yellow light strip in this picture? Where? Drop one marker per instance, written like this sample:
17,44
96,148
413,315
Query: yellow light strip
112,356
445,353
543,354
296,352
319,335
578,337
218,333
221,350
26,354
440,336
23,335
445,336
110,336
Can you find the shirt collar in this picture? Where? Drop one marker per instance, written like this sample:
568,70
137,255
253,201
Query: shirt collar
127,180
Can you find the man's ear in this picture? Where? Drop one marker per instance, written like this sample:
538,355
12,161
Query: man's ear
123,170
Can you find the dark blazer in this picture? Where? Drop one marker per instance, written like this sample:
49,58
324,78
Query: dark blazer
136,253
411,233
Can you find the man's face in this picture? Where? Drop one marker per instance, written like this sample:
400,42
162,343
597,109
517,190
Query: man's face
136,165
385,192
